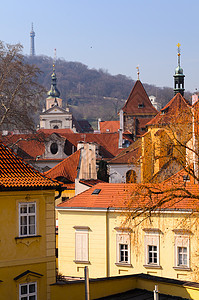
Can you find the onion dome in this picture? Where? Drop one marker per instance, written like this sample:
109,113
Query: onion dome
53,92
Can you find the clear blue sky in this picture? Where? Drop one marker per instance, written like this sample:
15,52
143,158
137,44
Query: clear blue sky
115,35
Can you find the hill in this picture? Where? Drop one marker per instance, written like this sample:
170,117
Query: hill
91,93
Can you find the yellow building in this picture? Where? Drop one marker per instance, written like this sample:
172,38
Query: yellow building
164,144
95,230
27,256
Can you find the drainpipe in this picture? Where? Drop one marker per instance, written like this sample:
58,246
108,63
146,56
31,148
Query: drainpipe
155,292
86,275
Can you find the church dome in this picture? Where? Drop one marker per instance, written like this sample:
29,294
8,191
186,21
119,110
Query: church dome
179,70
54,92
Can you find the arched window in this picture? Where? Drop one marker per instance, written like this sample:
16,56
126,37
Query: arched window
56,127
131,176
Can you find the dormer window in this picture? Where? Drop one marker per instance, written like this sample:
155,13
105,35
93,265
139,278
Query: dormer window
141,105
186,178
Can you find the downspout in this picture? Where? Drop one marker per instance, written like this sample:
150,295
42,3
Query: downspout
107,245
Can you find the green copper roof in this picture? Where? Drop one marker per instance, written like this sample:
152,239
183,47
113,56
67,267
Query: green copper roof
54,92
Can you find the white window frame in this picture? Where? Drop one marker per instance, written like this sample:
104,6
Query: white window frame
123,238
152,238
181,241
82,245
28,294
28,204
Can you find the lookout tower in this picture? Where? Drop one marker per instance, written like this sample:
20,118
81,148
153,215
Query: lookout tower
32,42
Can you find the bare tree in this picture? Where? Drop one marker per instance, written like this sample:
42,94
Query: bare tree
19,90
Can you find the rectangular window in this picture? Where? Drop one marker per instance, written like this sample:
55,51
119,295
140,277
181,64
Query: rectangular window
28,291
124,253
81,245
152,254
27,219
182,256
123,247
152,244
182,251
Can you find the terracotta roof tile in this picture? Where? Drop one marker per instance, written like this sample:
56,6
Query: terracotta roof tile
109,126
67,168
108,142
128,155
135,196
136,99
16,174
172,112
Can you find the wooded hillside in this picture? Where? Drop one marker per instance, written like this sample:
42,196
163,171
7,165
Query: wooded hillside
91,93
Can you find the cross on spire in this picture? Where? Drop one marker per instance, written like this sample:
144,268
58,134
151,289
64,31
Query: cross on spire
138,72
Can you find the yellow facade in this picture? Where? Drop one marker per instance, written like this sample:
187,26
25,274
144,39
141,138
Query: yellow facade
26,259
161,145
103,227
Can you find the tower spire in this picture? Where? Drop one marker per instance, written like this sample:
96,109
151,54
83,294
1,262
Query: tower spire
32,42
54,92
138,72
179,76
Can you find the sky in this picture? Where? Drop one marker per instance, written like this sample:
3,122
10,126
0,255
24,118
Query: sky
113,35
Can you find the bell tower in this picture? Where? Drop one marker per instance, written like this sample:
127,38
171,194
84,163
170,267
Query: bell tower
179,76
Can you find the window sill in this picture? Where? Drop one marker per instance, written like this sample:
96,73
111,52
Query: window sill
26,237
182,268
152,266
123,264
81,262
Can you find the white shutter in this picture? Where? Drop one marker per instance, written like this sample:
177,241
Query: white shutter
81,246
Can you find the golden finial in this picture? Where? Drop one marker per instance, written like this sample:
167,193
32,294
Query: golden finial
138,72
178,45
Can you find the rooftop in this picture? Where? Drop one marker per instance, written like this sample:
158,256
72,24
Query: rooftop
16,174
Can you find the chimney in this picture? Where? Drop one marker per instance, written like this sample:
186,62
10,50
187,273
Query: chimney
120,138
98,124
121,120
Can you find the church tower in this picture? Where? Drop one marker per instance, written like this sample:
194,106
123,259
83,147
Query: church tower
179,77
53,94
32,42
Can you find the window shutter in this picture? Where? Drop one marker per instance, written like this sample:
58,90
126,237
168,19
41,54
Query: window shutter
81,246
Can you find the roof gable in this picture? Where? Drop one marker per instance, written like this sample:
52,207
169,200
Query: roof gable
67,168
56,110
172,111
138,102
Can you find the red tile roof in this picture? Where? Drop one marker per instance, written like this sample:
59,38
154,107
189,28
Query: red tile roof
16,174
109,126
67,168
137,97
91,182
136,196
33,144
178,109
59,131
108,142
128,155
